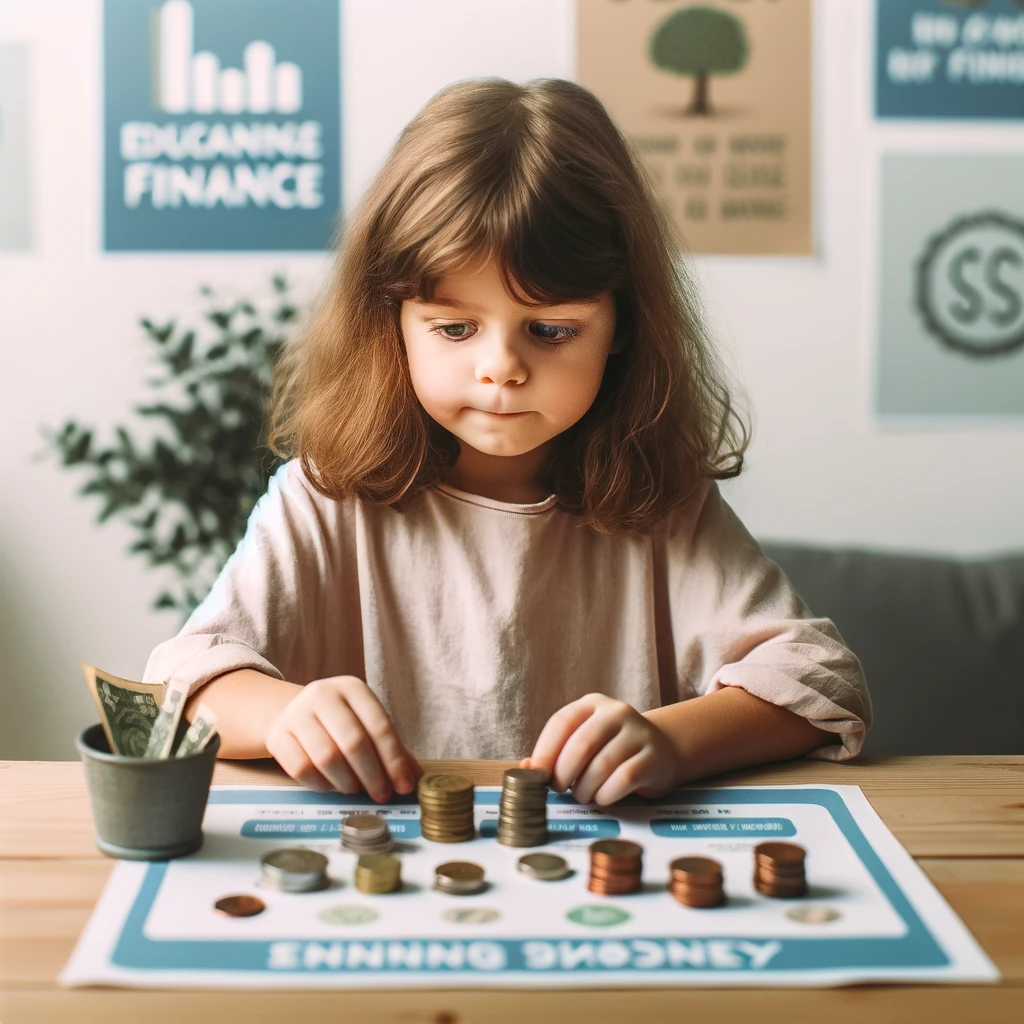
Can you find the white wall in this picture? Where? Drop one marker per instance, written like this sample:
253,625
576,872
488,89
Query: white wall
798,331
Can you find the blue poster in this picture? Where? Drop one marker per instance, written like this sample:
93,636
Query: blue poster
222,124
949,59
951,286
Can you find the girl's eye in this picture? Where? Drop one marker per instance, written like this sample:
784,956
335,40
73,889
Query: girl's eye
556,333
453,332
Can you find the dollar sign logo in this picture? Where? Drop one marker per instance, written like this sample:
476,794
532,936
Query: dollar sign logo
970,285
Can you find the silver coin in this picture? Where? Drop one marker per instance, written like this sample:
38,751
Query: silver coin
547,867
295,870
810,914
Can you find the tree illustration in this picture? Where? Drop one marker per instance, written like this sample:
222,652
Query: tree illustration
700,42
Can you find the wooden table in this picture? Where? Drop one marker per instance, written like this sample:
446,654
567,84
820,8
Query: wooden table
962,818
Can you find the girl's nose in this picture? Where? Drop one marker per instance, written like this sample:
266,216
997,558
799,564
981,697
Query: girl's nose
499,362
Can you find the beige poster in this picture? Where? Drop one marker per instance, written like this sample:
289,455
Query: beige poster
716,98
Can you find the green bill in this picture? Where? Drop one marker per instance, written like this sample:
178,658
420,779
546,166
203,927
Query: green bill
127,709
203,726
165,725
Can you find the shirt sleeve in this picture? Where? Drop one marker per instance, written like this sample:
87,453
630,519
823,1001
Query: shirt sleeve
736,621
267,608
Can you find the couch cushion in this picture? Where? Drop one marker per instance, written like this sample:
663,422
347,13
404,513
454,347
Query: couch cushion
941,642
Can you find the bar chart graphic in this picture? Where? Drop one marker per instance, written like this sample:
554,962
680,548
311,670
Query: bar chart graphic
222,124
188,82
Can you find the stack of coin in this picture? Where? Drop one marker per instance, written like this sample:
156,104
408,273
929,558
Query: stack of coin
697,882
779,870
365,833
547,867
292,870
446,808
615,867
523,811
459,878
378,872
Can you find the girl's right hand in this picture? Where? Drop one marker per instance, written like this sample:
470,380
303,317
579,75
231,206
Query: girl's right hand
336,735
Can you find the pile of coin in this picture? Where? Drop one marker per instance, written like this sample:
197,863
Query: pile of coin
365,833
615,867
459,878
523,811
697,882
295,870
546,867
779,870
446,808
378,872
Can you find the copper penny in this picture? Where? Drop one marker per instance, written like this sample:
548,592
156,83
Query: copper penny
241,905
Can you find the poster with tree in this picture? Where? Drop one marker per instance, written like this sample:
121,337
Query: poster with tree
715,97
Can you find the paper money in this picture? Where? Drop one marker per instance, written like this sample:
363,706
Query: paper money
165,725
127,709
203,726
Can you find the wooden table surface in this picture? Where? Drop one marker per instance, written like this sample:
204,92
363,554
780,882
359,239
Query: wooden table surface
962,818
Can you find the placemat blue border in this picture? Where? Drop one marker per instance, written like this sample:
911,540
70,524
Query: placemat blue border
917,948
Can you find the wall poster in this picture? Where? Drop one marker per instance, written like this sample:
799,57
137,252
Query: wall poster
223,124
715,97
15,227
949,58
951,298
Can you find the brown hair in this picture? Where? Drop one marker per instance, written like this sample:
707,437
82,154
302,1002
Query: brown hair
538,178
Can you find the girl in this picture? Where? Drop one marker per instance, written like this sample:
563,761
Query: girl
500,533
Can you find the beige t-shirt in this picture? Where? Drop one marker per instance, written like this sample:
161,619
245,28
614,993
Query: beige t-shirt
474,620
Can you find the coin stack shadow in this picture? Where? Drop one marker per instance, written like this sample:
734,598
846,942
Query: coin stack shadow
446,808
779,870
616,866
523,810
697,882
378,873
295,870
459,878
365,833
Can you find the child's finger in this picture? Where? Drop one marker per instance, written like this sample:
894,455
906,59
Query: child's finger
325,754
291,756
392,755
356,745
582,747
558,728
602,766
627,778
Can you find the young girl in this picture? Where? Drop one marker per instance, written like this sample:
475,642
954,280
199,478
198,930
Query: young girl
501,534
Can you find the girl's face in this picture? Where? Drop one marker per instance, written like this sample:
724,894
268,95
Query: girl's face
504,378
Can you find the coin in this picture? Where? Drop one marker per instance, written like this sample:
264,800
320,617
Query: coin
616,867
528,777
241,905
779,870
459,878
448,785
365,833
295,869
547,867
446,808
780,853
378,873
616,849
523,809
813,914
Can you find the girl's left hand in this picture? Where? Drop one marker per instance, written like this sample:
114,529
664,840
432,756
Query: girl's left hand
604,749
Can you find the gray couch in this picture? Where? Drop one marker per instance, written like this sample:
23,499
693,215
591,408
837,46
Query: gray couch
941,642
